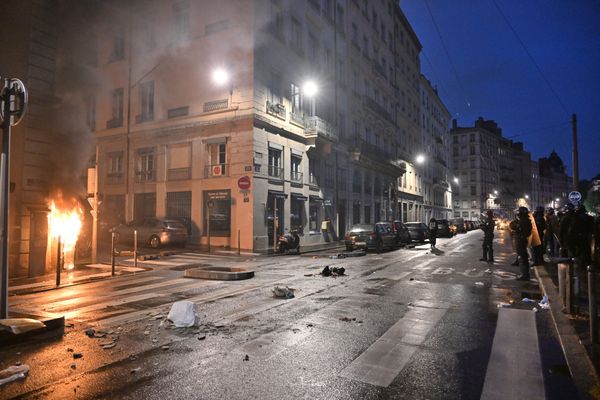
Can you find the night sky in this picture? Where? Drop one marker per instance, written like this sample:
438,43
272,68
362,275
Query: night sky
482,68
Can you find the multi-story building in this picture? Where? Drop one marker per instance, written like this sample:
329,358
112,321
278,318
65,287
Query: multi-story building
28,38
259,154
476,155
555,184
435,125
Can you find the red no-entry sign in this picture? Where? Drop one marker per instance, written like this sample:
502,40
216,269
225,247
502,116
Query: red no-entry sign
244,183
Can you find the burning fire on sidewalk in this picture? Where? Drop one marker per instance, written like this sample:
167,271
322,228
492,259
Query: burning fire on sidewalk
64,226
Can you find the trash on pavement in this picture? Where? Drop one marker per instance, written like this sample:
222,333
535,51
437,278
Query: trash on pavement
77,355
108,345
534,309
20,325
503,305
283,292
488,271
338,271
90,332
527,300
134,370
346,319
182,314
544,304
247,358
326,271
73,365
13,373
479,284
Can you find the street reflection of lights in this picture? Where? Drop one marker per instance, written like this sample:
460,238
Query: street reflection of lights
220,76
310,88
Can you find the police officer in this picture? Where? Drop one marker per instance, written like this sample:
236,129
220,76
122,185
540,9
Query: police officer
523,231
488,237
540,223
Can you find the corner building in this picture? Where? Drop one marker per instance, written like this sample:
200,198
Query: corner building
172,141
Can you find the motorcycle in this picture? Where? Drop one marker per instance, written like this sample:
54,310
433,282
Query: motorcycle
288,242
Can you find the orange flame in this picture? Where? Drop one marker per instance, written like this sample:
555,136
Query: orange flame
65,223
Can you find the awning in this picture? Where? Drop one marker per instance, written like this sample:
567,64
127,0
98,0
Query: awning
316,198
299,196
277,194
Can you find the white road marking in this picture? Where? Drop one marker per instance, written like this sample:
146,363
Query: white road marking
514,368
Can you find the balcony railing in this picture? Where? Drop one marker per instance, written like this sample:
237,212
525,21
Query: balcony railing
179,174
276,109
114,177
216,170
316,126
378,68
296,177
373,105
215,105
275,172
145,176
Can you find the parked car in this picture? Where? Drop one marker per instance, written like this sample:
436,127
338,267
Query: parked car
460,225
469,225
418,232
445,228
152,232
370,236
400,233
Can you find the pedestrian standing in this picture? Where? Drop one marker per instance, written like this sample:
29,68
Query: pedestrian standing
523,231
550,242
540,223
488,237
433,228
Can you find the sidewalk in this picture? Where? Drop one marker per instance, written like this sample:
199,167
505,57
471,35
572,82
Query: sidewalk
573,333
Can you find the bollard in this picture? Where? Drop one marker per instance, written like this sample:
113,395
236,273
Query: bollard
112,254
562,283
239,244
593,307
135,245
58,262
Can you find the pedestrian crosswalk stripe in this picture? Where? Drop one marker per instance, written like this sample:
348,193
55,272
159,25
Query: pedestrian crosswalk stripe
514,368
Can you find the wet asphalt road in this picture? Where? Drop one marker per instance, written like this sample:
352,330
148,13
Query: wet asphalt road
250,345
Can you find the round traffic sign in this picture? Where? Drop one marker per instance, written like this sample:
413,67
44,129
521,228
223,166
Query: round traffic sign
574,197
244,183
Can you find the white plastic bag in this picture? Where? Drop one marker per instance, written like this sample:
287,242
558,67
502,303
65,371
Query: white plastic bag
13,373
182,314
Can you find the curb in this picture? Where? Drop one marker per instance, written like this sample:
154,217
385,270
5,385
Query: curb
582,370
55,329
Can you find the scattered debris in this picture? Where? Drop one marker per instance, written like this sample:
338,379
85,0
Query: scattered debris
202,337
411,279
90,332
488,271
534,309
69,325
283,292
154,340
338,271
473,269
146,332
346,319
479,284
165,347
503,305
73,365
70,350
335,271
527,300
20,325
134,370
133,357
109,345
339,255
154,318
247,358
308,274
182,314
544,304
326,271
77,355
309,325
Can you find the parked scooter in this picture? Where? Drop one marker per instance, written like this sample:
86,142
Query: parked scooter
288,242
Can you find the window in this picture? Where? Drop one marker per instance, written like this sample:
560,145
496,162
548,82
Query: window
295,168
295,100
118,49
367,214
146,102
181,15
328,9
179,162
472,150
355,34
114,173
329,174
275,88
145,165
90,112
179,206
315,207
217,160
276,25
356,182
144,206
473,191
297,213
356,213
116,109
340,18
313,47
219,215
275,162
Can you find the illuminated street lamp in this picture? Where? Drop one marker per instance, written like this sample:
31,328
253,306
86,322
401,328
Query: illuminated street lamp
526,196
495,192
220,76
456,180
420,159
310,90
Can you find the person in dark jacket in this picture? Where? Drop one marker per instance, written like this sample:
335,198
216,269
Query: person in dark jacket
433,228
487,227
523,231
540,223
564,226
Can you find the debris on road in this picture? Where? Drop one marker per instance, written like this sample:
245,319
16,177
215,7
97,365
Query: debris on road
544,304
335,257
527,300
326,271
308,274
77,355
335,271
202,337
73,365
13,373
534,309
503,305
283,292
182,314
108,345
165,348
479,284
134,370
247,358
488,271
20,325
90,332
346,319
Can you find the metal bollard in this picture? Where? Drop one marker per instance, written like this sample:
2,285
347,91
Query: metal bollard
135,246
593,308
112,254
239,244
562,283
58,262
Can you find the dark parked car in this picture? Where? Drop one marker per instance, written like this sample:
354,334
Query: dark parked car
370,236
400,233
460,225
469,225
445,228
418,232
152,232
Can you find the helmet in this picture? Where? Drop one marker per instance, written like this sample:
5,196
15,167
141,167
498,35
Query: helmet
523,210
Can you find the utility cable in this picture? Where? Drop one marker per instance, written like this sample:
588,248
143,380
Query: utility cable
530,56
439,33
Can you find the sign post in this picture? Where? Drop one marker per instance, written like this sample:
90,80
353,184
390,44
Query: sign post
13,104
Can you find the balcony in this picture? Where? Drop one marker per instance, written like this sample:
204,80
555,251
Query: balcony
179,174
114,178
215,105
375,157
312,180
275,172
216,170
440,160
441,183
144,176
317,127
378,68
296,178
379,110
276,109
